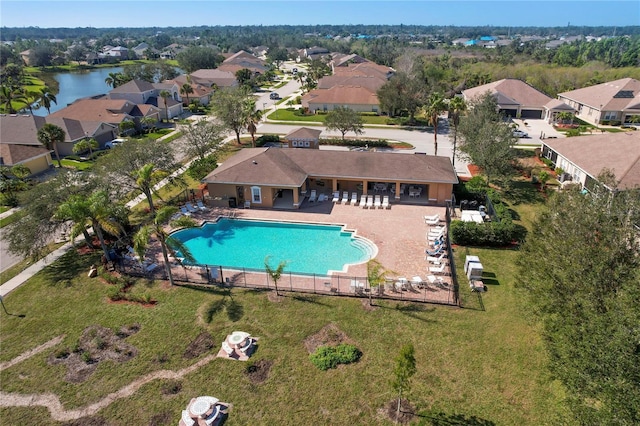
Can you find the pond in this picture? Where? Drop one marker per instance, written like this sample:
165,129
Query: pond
78,84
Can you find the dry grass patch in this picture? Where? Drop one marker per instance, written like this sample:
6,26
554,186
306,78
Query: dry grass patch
329,335
202,344
258,372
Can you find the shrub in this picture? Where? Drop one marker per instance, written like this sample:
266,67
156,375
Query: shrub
547,162
260,141
62,353
86,357
201,167
326,357
114,294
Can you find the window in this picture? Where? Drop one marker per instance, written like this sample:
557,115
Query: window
294,143
256,194
610,115
306,143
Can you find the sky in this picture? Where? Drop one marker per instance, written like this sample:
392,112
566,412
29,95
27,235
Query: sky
175,13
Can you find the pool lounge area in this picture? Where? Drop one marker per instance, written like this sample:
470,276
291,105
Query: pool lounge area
398,233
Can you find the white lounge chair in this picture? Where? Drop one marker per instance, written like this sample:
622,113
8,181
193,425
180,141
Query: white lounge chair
313,196
370,202
336,197
417,282
434,252
186,418
190,208
434,280
438,269
247,204
402,284
184,211
377,204
214,415
432,220
363,201
385,202
437,259
201,206
354,198
345,197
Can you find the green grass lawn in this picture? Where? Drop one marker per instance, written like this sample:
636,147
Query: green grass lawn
483,364
79,165
289,115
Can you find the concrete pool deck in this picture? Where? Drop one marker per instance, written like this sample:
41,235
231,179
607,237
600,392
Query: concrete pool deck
399,234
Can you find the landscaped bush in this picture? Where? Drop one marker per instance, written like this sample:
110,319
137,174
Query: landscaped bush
260,141
492,234
201,167
380,143
326,357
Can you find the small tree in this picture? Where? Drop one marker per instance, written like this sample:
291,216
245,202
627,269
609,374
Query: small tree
12,181
543,178
186,90
85,145
404,369
376,275
50,136
276,273
344,120
435,106
164,94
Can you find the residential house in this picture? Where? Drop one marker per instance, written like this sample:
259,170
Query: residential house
282,178
143,49
76,130
303,137
104,110
143,92
214,77
19,143
583,158
260,51
614,101
343,60
370,82
516,99
357,98
119,52
365,68
243,60
201,93
314,52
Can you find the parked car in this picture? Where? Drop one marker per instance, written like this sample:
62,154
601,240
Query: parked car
274,96
294,71
520,134
114,143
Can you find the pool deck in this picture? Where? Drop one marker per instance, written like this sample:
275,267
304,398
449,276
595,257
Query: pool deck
399,233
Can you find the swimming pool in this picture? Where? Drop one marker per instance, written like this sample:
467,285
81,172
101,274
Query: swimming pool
307,248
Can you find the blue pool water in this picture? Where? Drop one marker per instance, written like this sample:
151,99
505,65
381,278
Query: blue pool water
307,248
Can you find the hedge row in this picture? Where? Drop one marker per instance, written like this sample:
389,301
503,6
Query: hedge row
492,234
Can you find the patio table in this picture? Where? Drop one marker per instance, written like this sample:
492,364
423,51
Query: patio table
200,407
236,339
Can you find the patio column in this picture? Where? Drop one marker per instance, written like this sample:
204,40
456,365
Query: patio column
296,198
334,184
365,183
398,190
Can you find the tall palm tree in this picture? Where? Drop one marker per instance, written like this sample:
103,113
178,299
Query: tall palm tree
50,136
457,106
114,79
146,177
167,242
45,98
96,210
10,94
186,90
434,107
252,124
165,95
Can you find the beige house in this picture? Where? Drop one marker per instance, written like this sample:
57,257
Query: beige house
19,143
214,77
285,178
357,98
303,137
584,157
617,101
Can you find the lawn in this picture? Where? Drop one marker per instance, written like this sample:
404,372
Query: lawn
480,365
288,114
78,165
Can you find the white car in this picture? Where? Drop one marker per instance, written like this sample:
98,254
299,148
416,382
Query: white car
520,134
114,143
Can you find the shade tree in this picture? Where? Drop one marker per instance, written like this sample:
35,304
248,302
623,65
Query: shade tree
344,119
231,106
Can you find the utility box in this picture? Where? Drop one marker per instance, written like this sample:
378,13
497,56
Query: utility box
468,260
474,272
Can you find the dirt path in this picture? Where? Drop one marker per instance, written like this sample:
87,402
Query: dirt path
52,402
32,352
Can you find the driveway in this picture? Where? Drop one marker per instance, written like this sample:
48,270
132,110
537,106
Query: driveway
537,130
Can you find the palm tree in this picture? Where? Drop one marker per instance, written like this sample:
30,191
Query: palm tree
149,123
434,107
565,116
146,177
50,136
457,106
96,210
114,79
186,90
253,118
167,242
276,273
46,97
86,144
165,95
10,94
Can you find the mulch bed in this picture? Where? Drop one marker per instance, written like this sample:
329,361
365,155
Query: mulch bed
202,344
258,372
407,411
329,335
96,344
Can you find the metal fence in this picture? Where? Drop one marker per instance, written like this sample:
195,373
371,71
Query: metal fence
330,285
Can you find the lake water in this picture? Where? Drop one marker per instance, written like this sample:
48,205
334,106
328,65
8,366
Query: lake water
76,85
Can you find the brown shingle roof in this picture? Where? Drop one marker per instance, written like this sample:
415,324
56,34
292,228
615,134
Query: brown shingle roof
20,129
112,111
290,167
303,133
208,76
510,91
619,152
371,82
342,95
14,154
603,96
134,86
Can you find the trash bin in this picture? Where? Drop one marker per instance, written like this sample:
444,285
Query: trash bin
233,203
